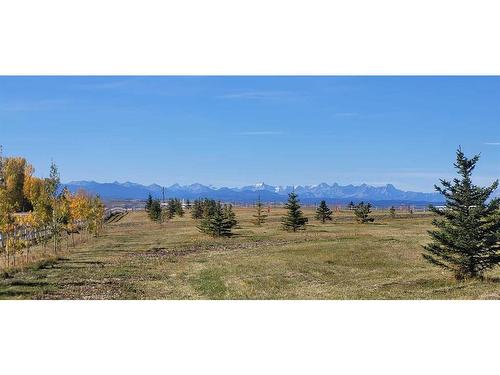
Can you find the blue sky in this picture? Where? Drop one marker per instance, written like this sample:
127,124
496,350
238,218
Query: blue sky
235,131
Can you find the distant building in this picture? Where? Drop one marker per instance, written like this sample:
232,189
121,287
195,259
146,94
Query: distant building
183,203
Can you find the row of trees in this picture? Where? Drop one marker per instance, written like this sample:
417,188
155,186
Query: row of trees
159,214
295,220
215,219
361,211
219,219
35,210
466,240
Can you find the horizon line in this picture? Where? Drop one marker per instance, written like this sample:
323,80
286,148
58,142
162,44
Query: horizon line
211,186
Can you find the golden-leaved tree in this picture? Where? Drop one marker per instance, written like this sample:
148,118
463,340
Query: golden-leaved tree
34,210
14,170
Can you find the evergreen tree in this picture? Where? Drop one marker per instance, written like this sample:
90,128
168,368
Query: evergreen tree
197,211
351,205
219,222
209,206
392,212
362,212
188,204
179,211
230,216
155,211
467,236
149,202
259,217
323,213
294,219
171,209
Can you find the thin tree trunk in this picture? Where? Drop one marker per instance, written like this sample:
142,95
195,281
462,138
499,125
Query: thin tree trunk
55,242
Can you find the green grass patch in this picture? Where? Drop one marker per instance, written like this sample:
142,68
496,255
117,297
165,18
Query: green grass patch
210,284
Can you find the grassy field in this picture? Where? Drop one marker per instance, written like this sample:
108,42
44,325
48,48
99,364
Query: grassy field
137,259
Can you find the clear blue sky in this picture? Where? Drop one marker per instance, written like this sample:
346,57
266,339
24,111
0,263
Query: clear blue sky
236,131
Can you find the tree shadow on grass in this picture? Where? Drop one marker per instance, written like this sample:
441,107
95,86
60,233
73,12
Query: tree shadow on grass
89,262
27,283
13,293
495,280
81,264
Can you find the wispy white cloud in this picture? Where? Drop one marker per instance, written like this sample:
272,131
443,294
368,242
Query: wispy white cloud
261,133
492,143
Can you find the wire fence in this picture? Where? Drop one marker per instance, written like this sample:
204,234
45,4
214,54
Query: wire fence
28,243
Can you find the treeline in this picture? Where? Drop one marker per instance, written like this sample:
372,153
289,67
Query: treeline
34,211
161,214
295,220
215,218
218,219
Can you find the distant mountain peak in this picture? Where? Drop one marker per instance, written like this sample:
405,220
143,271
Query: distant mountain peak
310,193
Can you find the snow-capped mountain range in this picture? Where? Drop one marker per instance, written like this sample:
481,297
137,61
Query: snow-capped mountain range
268,193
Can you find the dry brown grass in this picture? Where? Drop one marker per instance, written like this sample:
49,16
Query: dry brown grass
137,259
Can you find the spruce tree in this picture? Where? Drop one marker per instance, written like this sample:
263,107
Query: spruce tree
230,216
351,205
171,209
362,212
219,222
466,240
149,202
392,212
155,211
179,211
197,211
323,212
259,217
209,206
294,219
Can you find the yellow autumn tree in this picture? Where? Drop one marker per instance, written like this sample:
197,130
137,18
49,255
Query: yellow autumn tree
6,223
96,216
26,225
14,171
36,192
63,211
34,210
